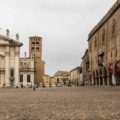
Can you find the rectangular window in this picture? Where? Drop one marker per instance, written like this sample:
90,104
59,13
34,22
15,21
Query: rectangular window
21,78
33,43
87,65
37,43
81,71
12,73
32,48
28,78
37,48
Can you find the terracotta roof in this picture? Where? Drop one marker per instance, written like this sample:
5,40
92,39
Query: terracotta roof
61,73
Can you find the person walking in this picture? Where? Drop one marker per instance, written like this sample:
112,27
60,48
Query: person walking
34,88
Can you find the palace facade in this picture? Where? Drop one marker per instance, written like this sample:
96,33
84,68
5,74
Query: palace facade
104,49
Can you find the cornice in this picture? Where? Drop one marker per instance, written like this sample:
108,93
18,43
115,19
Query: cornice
109,14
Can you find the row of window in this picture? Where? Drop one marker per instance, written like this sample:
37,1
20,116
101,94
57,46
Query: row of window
28,78
104,34
37,43
101,59
35,48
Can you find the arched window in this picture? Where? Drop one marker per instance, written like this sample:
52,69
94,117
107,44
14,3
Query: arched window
113,27
95,41
111,54
103,36
116,53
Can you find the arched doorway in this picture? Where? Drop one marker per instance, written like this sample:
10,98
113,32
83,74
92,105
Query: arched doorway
110,72
117,72
105,75
101,77
97,79
94,81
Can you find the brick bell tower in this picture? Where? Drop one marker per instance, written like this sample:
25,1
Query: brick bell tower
35,51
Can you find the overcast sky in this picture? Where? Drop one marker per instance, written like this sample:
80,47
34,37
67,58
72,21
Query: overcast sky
63,24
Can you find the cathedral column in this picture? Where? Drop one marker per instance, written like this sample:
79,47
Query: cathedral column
2,73
17,52
7,70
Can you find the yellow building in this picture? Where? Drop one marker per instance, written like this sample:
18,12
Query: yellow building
48,81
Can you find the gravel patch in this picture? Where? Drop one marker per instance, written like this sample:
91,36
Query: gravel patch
65,103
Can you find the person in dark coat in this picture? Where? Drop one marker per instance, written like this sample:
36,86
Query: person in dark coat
34,88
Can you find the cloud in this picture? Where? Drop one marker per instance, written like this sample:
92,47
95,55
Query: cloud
63,24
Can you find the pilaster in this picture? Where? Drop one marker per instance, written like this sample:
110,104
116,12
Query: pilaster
17,53
7,70
113,79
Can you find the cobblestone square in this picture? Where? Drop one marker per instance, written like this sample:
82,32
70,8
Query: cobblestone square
64,103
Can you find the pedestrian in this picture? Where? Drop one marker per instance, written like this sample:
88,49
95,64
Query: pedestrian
34,88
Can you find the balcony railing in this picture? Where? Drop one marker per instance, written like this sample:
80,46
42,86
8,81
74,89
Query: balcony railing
27,69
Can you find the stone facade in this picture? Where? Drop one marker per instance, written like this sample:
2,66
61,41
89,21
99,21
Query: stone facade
104,48
26,67
62,78
76,75
9,61
86,69
35,51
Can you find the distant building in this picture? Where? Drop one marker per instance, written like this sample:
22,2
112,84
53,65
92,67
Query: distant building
35,51
76,76
62,77
52,81
27,70
46,79
86,69
49,81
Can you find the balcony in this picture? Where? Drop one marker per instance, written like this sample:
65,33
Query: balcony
27,69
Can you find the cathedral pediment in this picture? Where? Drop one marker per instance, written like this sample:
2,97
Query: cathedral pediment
6,41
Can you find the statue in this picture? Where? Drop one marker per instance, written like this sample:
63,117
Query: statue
17,36
7,32
25,54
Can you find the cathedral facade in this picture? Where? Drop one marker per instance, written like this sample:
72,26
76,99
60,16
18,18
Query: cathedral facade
16,71
9,61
